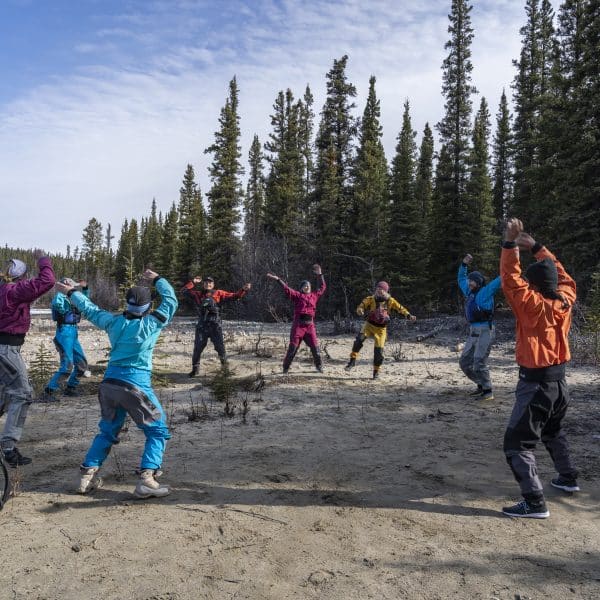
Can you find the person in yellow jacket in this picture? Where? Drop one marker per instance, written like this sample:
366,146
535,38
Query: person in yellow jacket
376,310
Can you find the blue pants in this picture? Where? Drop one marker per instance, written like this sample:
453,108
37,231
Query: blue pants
72,359
130,395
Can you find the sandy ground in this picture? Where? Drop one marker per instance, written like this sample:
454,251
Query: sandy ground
326,486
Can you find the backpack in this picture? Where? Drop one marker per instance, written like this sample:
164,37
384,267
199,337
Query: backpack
379,316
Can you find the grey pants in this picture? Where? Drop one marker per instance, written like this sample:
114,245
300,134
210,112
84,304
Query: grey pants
15,394
537,415
473,360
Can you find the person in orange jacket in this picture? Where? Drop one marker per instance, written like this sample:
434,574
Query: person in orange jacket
541,301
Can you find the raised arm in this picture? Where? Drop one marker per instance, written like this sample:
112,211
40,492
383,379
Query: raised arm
463,282
168,300
28,290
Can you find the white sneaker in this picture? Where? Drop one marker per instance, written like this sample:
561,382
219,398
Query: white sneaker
89,480
87,373
147,486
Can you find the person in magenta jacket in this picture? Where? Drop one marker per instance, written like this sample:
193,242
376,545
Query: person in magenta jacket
16,295
303,326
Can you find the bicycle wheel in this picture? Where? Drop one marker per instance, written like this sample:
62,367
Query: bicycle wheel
4,482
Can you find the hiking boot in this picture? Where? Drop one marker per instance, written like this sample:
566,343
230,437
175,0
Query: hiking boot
567,484
476,392
193,372
15,459
48,396
89,480
320,368
527,510
71,391
487,395
375,374
147,486
286,370
351,364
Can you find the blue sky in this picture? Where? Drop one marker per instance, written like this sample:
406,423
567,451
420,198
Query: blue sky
105,102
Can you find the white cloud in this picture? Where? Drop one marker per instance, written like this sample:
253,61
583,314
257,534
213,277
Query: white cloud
105,140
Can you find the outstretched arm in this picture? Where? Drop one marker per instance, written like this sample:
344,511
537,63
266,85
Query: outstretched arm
100,318
288,291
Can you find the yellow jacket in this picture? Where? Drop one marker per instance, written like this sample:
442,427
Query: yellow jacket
369,305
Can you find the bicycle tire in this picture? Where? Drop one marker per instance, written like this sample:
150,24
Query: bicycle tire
4,482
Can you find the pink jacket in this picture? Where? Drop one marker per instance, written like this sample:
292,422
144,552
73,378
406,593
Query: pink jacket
304,304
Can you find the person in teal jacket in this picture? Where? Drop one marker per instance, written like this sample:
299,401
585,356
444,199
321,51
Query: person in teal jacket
126,387
73,363
479,310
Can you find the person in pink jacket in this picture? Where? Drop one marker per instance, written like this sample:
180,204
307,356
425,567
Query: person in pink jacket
303,326
16,295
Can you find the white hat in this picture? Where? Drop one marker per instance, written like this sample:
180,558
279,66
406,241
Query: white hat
68,281
16,268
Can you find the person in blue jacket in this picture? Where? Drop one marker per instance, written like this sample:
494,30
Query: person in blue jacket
126,388
73,363
479,310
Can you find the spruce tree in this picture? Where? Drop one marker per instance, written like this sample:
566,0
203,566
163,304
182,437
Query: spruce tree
150,240
92,251
169,244
502,162
423,201
332,196
192,236
370,198
454,130
406,220
254,206
531,87
479,239
225,195
285,186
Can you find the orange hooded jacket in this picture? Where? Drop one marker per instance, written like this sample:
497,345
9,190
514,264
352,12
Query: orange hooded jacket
542,327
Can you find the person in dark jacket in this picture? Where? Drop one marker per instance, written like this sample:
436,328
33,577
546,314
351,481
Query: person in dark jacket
479,310
16,295
206,302
303,327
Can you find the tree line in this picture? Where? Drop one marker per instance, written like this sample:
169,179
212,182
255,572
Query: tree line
324,192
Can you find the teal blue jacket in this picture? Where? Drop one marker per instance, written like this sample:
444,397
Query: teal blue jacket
62,304
132,340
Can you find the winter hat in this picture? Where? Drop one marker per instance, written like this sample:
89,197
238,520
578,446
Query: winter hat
16,268
477,278
68,281
138,300
303,283
208,279
543,274
384,285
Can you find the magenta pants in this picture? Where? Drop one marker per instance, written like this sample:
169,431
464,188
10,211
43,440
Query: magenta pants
304,332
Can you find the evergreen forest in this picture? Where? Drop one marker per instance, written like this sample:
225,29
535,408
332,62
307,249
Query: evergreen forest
320,188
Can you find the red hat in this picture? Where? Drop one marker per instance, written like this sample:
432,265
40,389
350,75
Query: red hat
384,285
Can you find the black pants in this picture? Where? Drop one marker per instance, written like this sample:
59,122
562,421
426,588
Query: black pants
208,330
537,416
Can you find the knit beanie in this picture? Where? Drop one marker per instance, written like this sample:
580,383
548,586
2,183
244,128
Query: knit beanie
138,300
477,278
384,285
16,268
543,274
